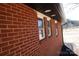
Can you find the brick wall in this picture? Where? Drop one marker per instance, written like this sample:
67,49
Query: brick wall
51,45
19,32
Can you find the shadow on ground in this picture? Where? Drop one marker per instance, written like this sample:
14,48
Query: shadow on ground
67,52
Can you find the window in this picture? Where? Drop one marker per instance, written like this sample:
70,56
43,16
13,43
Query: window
56,28
56,31
41,29
49,28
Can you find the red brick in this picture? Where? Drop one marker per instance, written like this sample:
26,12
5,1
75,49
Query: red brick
15,29
5,13
3,17
9,18
0,50
20,19
24,51
23,45
17,37
6,30
18,51
7,47
14,49
22,39
11,11
7,39
11,54
15,19
3,26
5,5
4,53
21,26
5,22
19,32
15,9
16,23
12,34
12,26
3,35
3,44
2,8
19,43
13,42
17,54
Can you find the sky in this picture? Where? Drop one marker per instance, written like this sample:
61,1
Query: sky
71,11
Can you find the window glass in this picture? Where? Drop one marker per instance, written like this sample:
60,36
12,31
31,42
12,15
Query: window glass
56,28
49,28
41,29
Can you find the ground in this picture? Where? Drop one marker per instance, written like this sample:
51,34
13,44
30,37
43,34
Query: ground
71,38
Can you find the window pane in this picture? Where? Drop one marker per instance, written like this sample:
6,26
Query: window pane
40,23
41,29
49,29
56,31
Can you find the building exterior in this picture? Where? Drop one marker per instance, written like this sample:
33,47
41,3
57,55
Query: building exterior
19,32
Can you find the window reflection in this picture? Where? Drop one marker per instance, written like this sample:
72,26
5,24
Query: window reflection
41,29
